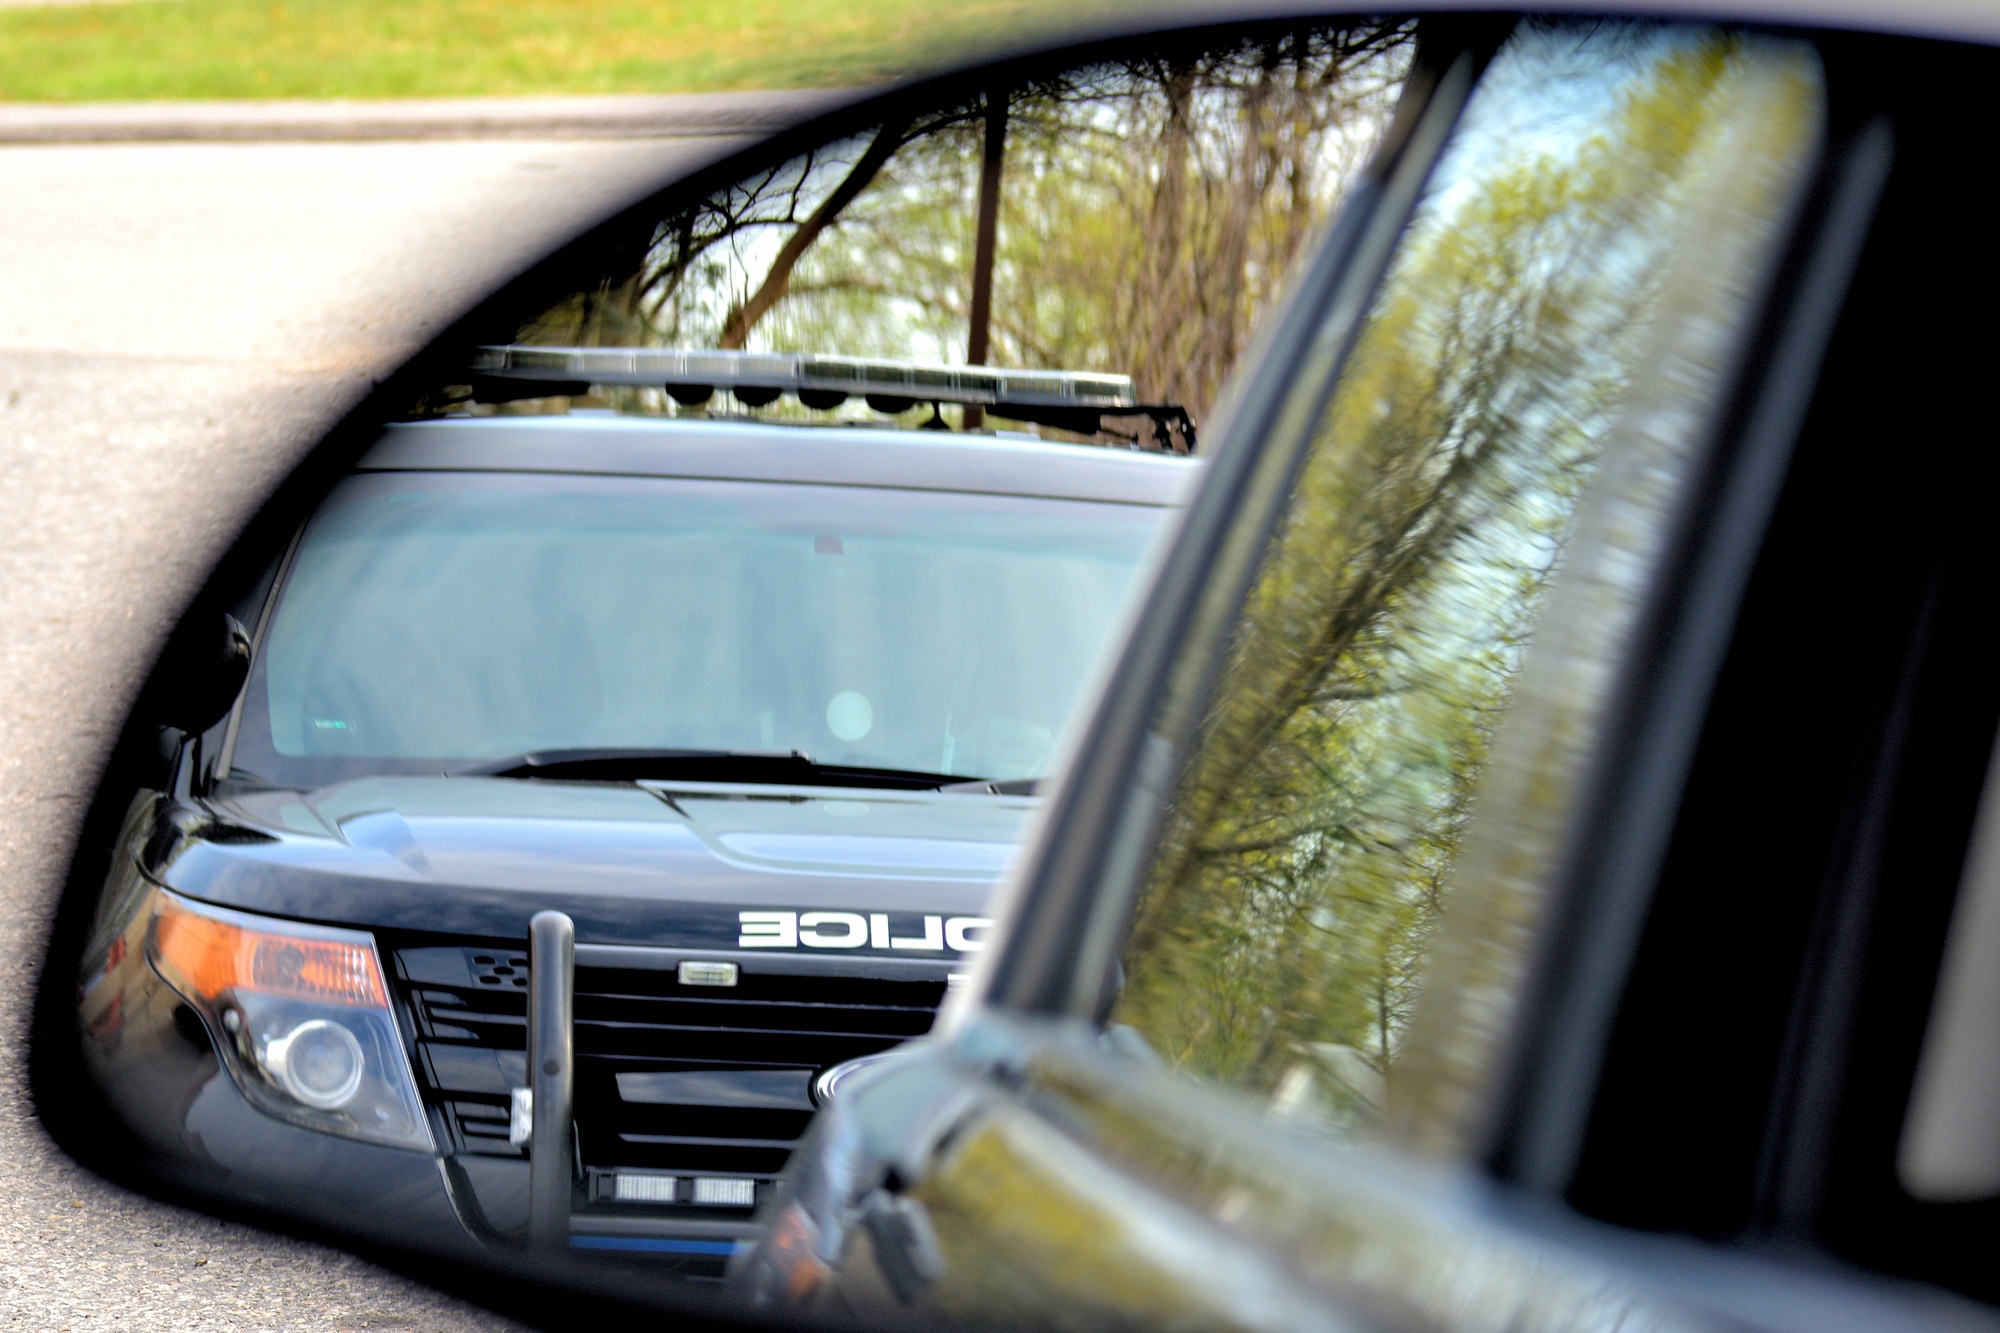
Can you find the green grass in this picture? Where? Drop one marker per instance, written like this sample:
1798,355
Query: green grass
168,49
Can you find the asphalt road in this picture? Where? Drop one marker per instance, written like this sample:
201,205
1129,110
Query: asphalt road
178,323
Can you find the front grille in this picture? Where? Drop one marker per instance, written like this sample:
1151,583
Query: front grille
685,1080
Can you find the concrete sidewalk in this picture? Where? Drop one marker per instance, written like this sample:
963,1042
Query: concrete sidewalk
673,116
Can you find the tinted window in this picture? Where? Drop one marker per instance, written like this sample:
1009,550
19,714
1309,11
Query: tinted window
1393,746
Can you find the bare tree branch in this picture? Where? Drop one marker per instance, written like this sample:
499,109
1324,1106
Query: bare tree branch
736,330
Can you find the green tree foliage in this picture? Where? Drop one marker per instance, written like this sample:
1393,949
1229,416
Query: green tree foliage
1149,211
1313,833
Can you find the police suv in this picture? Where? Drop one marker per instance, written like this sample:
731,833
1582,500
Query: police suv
743,715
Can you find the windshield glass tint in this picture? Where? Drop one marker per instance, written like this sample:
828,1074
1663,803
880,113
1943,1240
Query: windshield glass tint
435,620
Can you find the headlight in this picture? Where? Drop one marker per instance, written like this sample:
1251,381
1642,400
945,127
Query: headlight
319,1062
303,1014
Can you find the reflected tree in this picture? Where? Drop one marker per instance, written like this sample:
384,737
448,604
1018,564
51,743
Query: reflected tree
1312,837
1147,212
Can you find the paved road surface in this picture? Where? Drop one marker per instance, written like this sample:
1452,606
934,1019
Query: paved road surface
178,322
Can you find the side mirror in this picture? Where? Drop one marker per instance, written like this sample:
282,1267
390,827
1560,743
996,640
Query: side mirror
203,671
469,569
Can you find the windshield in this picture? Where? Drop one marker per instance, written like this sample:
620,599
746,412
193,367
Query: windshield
436,620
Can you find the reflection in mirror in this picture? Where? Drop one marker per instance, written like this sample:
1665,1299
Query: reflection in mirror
1545,348
1130,217
653,620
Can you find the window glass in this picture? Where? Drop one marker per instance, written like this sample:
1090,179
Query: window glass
442,619
1144,212
1391,747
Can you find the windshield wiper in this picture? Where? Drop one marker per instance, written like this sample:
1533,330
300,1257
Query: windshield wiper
764,768
997,786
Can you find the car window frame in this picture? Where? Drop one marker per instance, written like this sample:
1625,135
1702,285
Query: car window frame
1604,882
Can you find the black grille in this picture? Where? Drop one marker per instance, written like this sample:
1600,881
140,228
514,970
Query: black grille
714,1078
499,968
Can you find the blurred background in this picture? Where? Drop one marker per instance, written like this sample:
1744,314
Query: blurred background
117,50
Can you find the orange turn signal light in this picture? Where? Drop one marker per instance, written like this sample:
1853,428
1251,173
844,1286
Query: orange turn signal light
211,955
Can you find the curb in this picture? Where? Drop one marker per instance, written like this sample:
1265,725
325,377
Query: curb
672,115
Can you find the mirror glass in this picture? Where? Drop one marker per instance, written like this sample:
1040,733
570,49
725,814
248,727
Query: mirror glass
730,605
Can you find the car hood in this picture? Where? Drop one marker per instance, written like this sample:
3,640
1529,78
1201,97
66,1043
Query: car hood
669,864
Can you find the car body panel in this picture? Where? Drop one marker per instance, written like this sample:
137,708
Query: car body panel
1069,1185
761,451
672,867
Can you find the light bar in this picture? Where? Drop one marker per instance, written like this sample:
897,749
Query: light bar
724,1192
810,375
628,1187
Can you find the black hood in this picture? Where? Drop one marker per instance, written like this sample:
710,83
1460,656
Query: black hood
665,864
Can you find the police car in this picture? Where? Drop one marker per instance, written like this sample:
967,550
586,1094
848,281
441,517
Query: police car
744,714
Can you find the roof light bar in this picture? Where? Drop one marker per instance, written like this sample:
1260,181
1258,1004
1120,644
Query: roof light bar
1071,400
810,373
